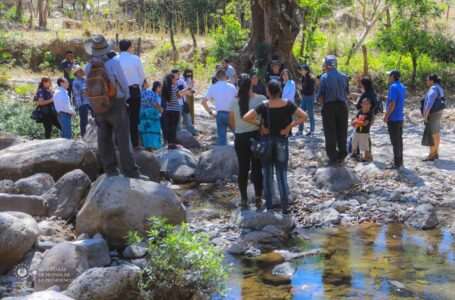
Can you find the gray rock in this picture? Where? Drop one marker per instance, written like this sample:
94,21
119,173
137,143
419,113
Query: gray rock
258,220
335,179
113,283
257,237
135,251
187,140
45,245
326,217
32,205
141,262
97,251
178,164
19,232
285,269
82,237
117,205
8,187
62,156
273,230
148,164
219,163
66,197
36,184
44,295
60,266
341,206
253,252
237,248
395,196
8,140
452,229
423,217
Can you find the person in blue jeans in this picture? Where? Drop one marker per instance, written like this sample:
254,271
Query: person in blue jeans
63,108
80,98
276,124
307,89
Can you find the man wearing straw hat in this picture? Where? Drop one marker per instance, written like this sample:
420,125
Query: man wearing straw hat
80,98
115,122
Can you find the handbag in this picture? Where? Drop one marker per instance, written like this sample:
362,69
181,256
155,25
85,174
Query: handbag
438,104
37,115
427,138
262,147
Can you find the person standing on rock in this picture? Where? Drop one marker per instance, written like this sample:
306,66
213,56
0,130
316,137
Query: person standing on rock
63,108
278,113
67,66
394,117
333,94
80,98
307,88
115,121
222,92
45,98
134,73
244,132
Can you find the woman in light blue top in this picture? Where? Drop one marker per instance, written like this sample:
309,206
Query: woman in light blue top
432,114
287,85
244,132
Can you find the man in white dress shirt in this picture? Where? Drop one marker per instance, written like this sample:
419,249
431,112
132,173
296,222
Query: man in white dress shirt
134,73
223,93
63,107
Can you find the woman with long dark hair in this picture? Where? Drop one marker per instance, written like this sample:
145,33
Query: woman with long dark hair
171,94
244,132
278,113
44,96
307,88
432,114
368,92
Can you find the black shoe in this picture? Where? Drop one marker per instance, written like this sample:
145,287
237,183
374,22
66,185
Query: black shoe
258,201
310,133
433,158
392,166
243,204
286,211
340,162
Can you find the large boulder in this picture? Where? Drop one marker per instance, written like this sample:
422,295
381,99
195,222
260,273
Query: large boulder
8,140
423,217
36,184
187,140
60,266
55,157
335,179
116,205
33,205
219,163
18,233
113,283
148,164
178,164
8,187
90,137
66,197
257,220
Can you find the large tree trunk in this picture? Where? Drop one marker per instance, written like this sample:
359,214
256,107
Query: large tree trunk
140,13
18,16
414,69
275,24
30,18
193,37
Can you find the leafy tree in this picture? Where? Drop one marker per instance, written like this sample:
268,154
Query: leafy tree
407,34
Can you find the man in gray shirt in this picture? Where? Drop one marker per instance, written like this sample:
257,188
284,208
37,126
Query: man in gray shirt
115,122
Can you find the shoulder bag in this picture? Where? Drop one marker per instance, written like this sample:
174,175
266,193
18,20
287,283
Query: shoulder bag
262,147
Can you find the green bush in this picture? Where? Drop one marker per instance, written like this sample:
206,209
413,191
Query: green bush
180,262
229,38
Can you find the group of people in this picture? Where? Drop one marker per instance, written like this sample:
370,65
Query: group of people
151,114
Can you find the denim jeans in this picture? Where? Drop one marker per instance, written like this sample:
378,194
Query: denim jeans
279,162
83,115
222,124
307,105
65,122
186,117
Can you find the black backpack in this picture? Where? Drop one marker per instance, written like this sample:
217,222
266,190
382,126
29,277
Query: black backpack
378,106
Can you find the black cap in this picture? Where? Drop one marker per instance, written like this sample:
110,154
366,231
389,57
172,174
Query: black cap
394,73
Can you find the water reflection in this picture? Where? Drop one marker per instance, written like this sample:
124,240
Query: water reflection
361,262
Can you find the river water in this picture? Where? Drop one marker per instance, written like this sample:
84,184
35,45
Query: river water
360,262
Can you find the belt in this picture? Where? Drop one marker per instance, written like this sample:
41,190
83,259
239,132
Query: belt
63,113
222,111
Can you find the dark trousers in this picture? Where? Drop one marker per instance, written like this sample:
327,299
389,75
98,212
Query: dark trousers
134,108
335,122
50,119
172,120
116,122
248,162
83,115
396,138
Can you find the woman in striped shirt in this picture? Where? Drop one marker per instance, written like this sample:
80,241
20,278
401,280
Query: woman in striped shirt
171,94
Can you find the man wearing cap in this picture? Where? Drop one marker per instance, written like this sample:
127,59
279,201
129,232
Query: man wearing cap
80,98
394,117
333,94
115,121
134,73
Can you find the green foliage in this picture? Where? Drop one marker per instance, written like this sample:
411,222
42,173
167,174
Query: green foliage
229,38
24,90
180,262
49,61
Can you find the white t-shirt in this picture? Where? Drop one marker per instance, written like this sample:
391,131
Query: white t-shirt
222,93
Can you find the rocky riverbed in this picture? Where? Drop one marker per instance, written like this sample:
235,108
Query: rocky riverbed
58,206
